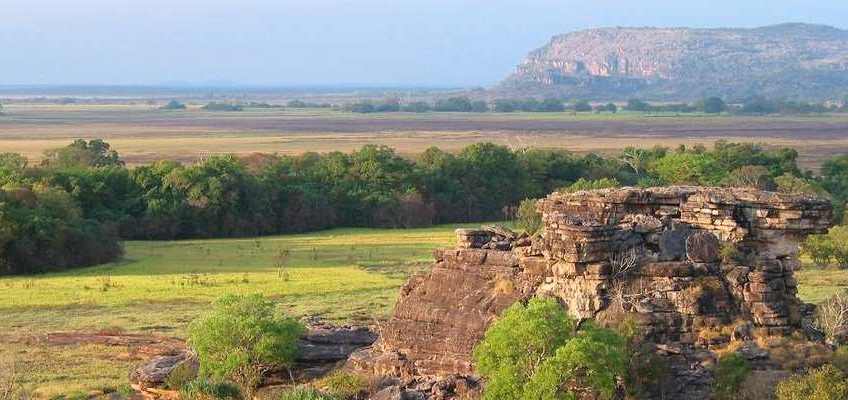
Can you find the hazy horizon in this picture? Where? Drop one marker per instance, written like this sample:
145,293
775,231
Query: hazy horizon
324,43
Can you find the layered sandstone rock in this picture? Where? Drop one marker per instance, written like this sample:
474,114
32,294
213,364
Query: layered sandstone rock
695,267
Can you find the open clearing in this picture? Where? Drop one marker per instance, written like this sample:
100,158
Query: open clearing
144,134
342,275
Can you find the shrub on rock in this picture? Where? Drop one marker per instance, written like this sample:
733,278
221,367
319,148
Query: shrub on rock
535,352
241,337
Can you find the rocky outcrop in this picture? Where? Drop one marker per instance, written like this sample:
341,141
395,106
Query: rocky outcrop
781,61
694,267
321,351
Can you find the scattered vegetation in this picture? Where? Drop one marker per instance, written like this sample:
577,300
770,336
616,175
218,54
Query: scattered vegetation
529,220
730,372
825,383
833,246
215,106
304,393
173,105
209,389
241,337
345,385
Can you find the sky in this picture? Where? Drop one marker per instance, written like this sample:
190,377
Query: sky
330,42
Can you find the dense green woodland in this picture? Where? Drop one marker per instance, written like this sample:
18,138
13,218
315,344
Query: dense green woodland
76,205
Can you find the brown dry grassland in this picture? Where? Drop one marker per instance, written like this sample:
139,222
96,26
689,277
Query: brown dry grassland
142,134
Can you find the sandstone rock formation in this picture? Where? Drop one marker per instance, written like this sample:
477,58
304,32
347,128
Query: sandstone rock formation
694,267
780,61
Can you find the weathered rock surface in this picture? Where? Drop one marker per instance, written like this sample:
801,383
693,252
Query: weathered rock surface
695,267
155,372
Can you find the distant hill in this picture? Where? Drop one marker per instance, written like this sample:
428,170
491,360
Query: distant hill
794,61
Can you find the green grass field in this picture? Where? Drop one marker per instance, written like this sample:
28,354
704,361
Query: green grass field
342,275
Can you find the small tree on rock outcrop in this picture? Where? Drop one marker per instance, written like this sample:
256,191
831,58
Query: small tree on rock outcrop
528,218
535,352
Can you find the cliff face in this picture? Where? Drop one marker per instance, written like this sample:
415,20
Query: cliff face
696,268
789,60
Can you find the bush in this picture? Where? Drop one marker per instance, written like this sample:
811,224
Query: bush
241,337
514,345
730,372
789,183
713,105
203,389
582,106
838,236
584,184
301,393
173,105
689,168
344,384
819,248
825,383
533,349
590,364
528,218
215,106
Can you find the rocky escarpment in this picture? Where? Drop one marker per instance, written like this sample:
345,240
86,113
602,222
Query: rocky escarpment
696,268
781,61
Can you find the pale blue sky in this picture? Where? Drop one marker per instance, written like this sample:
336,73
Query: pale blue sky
326,42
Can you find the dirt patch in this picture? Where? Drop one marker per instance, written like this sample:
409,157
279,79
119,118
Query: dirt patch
137,345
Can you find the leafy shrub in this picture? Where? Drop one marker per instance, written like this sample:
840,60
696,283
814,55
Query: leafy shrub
344,384
300,393
838,236
241,337
590,363
688,168
825,383
533,349
203,389
730,372
515,344
789,183
528,218
584,184
819,248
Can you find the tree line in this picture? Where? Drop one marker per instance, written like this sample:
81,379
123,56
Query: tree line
83,195
709,105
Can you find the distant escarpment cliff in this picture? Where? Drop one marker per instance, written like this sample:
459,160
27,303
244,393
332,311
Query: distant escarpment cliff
797,61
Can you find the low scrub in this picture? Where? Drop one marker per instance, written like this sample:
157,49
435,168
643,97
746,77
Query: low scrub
730,372
825,383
